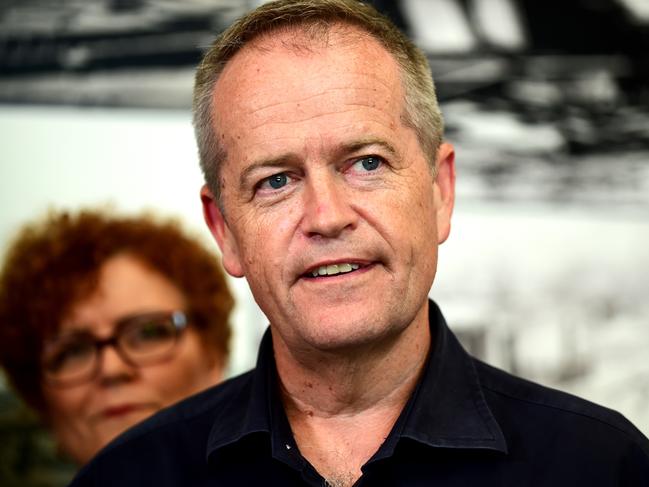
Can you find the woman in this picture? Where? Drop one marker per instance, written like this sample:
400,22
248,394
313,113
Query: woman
105,320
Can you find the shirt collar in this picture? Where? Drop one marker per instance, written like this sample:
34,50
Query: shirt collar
448,408
249,411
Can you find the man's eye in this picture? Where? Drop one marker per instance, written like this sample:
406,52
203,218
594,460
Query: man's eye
368,163
276,181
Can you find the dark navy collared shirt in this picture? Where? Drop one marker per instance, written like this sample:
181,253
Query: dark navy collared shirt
466,424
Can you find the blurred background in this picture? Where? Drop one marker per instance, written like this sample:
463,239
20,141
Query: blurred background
546,273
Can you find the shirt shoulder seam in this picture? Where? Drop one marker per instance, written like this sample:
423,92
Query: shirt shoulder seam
569,410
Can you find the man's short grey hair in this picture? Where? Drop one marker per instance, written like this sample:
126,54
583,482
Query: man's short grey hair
313,17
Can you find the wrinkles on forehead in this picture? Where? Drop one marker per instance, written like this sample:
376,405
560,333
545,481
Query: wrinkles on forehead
304,108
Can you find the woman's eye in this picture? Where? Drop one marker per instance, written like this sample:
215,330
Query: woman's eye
276,181
153,331
69,354
368,163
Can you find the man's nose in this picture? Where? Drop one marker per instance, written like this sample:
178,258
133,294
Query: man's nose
113,368
327,207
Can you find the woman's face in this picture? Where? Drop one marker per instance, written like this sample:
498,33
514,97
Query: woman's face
85,417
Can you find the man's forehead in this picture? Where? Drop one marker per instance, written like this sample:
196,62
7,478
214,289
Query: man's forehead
340,39
253,75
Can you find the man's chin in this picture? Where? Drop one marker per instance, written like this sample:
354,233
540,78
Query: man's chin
345,335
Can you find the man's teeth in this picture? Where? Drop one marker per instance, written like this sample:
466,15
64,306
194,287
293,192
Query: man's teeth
333,269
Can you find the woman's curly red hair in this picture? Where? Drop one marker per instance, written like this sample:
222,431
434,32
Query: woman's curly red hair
55,262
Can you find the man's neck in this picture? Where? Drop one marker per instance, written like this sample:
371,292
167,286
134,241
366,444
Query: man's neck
342,406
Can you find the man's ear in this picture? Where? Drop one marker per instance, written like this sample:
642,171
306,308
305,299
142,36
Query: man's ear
221,232
444,189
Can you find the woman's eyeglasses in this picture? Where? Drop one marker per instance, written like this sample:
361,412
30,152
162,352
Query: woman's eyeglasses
144,339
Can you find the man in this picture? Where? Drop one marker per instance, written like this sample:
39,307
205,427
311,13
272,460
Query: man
329,188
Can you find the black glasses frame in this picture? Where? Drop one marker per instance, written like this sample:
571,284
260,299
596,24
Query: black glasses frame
178,319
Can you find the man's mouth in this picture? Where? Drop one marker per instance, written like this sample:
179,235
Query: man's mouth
333,269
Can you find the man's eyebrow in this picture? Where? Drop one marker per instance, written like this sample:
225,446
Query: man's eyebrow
363,143
277,162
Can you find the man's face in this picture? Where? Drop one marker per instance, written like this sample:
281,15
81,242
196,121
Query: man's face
330,207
